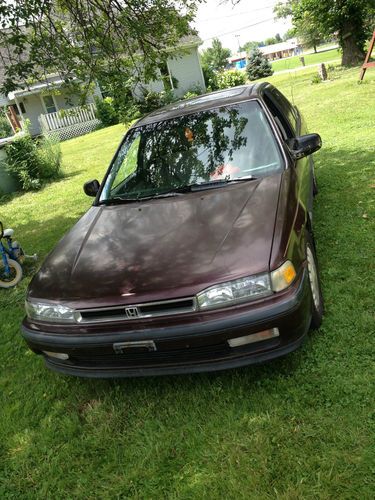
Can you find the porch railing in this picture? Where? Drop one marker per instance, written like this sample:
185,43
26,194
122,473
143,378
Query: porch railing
71,122
67,117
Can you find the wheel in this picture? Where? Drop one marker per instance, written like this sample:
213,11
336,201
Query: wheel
15,274
315,285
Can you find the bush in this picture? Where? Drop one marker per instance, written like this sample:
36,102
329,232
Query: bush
193,92
210,78
49,153
316,78
106,111
231,79
32,164
258,66
154,100
5,128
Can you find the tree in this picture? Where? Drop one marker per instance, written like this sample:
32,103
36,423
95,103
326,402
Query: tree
270,41
305,27
216,56
249,46
117,42
258,66
351,20
290,33
308,31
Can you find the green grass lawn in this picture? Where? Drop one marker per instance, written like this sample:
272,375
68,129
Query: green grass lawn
299,427
294,62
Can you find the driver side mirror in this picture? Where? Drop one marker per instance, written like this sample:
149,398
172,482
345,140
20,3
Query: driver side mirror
91,188
304,145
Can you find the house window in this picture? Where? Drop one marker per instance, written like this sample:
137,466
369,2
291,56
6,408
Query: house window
15,109
49,104
166,77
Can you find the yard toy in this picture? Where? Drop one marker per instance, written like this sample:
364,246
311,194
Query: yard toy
11,258
367,63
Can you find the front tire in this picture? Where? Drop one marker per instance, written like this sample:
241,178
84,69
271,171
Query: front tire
15,274
317,306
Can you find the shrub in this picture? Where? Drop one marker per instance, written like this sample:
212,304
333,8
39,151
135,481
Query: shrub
258,66
316,78
154,100
5,128
193,92
106,111
210,78
230,79
32,164
49,153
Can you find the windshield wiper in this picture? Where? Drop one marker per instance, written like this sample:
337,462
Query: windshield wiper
118,200
219,182
163,194
177,191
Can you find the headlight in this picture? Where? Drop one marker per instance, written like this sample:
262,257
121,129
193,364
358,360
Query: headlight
50,312
231,292
282,277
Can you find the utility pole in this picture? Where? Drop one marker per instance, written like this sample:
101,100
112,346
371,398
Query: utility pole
239,45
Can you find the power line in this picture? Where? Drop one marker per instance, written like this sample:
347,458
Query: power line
238,29
235,15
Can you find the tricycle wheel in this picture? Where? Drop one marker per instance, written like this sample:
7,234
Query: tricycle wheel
14,277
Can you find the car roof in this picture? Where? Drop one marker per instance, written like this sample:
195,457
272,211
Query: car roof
203,102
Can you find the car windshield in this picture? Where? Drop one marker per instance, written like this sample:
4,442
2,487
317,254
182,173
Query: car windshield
220,144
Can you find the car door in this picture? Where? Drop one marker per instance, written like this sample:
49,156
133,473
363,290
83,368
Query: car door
291,124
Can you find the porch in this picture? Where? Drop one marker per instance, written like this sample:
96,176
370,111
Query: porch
70,122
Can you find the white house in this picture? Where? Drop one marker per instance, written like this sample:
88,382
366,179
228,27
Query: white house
48,108
283,49
183,69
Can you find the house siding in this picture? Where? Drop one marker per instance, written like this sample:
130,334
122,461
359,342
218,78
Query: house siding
33,108
186,68
188,71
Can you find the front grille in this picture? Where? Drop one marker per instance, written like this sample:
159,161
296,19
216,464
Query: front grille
136,311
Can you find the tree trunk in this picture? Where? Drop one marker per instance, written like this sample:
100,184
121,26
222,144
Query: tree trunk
352,54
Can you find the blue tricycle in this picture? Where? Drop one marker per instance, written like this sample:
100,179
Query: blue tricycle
11,258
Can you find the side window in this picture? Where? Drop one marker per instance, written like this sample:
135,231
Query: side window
287,109
280,119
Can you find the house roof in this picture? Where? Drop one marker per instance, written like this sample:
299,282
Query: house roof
279,47
237,57
50,82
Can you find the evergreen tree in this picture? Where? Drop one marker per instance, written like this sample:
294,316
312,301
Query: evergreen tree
258,66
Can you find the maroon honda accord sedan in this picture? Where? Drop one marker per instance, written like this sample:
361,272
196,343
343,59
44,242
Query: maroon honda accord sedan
197,253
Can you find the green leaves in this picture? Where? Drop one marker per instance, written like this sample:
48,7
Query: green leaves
89,39
215,57
350,20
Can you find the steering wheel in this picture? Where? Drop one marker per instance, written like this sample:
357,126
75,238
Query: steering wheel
1,230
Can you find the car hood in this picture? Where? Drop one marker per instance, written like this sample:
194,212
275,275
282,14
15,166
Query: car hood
162,248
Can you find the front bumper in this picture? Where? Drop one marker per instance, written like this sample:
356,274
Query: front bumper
185,348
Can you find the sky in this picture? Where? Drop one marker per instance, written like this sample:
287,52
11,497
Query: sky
231,24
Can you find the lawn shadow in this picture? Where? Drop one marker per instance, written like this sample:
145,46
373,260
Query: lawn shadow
337,171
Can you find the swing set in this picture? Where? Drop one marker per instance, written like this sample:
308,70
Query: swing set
367,63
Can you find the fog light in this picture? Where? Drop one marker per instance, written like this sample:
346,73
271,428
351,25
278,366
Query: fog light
254,337
57,355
